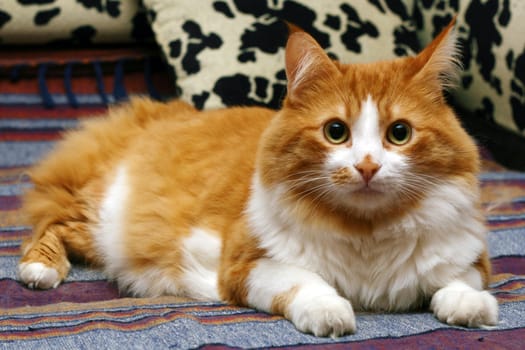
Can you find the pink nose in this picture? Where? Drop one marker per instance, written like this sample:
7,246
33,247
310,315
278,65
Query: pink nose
367,168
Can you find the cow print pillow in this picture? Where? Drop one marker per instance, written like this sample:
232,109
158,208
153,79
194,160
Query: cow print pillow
493,46
226,53
80,22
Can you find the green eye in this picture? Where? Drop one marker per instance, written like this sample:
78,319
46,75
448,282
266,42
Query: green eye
336,132
399,133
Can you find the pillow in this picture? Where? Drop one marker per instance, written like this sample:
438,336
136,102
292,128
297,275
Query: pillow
226,53
492,40
72,22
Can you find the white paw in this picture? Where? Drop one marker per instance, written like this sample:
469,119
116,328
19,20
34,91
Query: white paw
464,306
37,275
324,316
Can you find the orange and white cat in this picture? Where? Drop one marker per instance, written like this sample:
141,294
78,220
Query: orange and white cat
360,194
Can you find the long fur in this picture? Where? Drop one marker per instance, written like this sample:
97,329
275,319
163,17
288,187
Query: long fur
260,208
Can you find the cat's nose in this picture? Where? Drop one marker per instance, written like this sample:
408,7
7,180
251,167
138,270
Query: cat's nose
367,168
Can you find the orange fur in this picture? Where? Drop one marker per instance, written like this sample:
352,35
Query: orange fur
484,267
191,169
238,257
69,182
281,302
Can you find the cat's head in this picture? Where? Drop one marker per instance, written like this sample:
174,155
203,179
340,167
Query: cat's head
366,138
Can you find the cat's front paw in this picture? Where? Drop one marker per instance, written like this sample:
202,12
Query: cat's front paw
464,306
39,276
324,316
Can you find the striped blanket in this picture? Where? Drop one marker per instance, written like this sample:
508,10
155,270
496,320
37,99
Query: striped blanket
88,312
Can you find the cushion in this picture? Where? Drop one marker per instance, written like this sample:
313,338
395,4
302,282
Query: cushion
76,22
491,34
226,53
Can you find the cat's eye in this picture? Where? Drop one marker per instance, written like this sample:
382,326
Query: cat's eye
336,132
399,133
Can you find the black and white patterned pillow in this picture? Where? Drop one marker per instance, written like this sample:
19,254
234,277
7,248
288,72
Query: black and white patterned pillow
492,37
73,22
231,52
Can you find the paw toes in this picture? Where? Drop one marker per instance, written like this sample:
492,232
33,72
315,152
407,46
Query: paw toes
326,317
38,276
470,308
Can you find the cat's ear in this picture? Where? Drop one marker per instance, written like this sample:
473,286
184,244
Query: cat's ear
306,64
438,65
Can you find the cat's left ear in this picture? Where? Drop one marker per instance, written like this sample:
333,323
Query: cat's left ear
438,65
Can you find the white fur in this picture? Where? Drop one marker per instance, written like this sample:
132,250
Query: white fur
460,304
367,141
200,252
316,307
37,275
109,233
301,70
446,60
322,315
110,239
152,281
394,268
201,258
366,138
269,278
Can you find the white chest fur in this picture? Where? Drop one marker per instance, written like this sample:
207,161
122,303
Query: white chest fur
396,267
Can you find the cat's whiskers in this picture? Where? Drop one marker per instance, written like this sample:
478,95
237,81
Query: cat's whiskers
407,193
416,186
316,193
310,189
303,178
294,185
317,200
422,182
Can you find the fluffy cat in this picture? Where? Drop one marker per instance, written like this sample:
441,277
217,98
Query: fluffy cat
360,194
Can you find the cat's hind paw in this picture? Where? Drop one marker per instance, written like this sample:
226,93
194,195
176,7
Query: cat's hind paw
324,316
36,275
461,305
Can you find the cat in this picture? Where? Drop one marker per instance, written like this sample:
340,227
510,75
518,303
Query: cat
361,193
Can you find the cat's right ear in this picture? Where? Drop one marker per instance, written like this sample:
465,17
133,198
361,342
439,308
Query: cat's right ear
306,64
